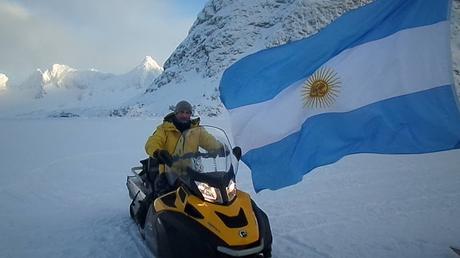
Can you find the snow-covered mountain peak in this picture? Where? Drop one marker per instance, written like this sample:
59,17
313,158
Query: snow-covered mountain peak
56,72
144,74
56,75
227,30
149,64
60,76
35,81
65,91
3,81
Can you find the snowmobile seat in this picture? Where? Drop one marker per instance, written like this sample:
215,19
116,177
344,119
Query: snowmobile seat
150,170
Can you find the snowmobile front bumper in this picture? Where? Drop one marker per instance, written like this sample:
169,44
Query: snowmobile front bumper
243,252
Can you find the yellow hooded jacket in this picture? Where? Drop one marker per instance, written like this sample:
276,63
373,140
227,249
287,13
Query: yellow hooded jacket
167,136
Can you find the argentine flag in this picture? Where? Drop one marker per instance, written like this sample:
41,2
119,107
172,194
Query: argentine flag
377,80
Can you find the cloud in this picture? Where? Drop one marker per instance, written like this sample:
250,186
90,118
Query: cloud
13,10
109,35
27,42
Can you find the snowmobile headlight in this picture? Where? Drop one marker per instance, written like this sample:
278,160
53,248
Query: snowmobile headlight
210,194
231,190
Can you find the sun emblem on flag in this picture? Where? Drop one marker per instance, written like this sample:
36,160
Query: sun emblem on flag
321,88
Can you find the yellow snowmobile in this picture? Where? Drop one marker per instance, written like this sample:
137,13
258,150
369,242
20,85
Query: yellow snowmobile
204,215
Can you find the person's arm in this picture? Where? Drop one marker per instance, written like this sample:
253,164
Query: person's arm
209,142
155,142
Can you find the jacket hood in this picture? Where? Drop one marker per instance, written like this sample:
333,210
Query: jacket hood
169,118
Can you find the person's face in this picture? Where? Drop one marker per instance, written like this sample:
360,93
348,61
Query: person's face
183,116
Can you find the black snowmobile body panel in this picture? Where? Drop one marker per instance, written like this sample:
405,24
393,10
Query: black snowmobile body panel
173,235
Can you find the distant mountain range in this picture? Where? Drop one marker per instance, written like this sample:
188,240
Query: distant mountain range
65,90
224,32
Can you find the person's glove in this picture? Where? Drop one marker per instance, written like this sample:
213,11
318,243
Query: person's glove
163,157
237,152
161,185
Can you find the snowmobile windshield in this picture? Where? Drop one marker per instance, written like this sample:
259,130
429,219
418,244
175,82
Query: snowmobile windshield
204,162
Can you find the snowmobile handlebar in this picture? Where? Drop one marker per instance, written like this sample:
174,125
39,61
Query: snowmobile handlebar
200,155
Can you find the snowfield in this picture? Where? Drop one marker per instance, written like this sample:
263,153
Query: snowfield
63,194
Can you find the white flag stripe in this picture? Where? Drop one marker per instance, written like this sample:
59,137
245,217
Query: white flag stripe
396,65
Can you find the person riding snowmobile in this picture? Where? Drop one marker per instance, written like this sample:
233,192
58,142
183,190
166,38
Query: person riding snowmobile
162,143
205,214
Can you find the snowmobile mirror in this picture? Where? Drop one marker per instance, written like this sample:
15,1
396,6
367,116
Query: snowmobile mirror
237,152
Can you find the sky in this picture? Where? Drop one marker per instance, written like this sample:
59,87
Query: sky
108,35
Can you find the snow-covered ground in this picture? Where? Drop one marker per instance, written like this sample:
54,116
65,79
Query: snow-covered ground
63,194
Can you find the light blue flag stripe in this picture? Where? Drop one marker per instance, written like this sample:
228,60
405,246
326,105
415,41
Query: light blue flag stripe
406,124
279,67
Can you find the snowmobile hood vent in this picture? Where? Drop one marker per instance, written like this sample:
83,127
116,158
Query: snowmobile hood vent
192,211
169,199
238,221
